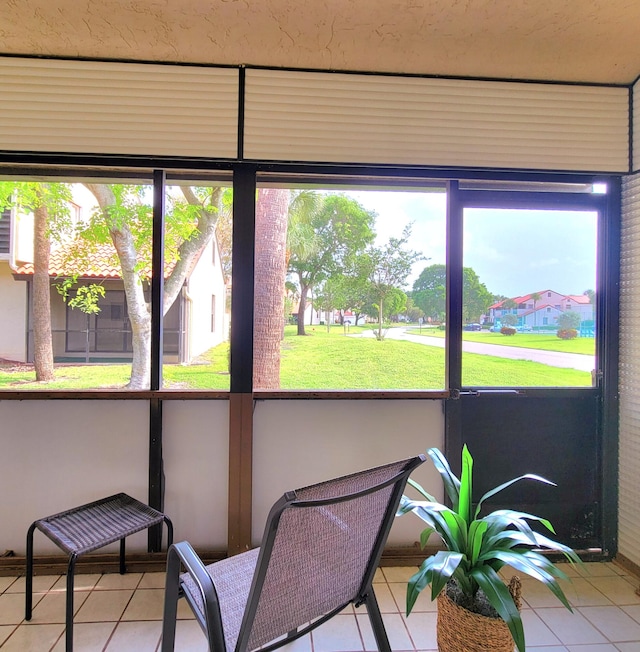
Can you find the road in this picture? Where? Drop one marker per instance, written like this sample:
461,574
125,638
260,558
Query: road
551,358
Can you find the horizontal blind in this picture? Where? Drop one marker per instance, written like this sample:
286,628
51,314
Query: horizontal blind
342,118
629,454
93,107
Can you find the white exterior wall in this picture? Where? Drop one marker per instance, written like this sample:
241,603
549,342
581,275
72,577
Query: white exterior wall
206,281
13,316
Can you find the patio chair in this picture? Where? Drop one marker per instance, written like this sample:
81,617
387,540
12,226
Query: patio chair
320,549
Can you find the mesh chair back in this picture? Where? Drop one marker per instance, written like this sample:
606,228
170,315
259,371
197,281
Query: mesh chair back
320,549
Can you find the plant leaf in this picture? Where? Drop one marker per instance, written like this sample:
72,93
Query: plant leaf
466,485
443,565
476,534
499,488
498,595
421,491
424,536
451,482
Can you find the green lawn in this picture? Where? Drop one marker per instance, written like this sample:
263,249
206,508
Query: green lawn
324,360
584,345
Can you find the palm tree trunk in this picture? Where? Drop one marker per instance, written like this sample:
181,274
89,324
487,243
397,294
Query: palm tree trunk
270,275
42,345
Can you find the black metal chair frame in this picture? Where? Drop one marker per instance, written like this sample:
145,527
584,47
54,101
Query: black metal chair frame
74,539
182,554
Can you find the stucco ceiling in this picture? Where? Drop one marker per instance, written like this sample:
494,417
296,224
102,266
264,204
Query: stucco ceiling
565,40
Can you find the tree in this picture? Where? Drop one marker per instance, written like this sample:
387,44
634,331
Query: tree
389,268
337,228
272,211
429,293
510,320
509,304
591,294
125,218
568,319
49,203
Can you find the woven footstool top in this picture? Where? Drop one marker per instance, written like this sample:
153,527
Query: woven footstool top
91,526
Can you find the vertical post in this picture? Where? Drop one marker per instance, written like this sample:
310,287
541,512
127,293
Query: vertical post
156,468
453,355
241,396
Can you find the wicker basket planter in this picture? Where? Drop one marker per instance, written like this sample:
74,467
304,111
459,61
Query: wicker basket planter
460,630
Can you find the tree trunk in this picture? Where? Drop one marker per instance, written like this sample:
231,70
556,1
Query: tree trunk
302,307
137,308
380,318
42,346
270,275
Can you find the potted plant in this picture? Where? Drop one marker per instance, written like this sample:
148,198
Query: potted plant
475,606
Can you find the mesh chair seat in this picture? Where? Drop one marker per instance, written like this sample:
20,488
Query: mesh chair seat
232,579
319,552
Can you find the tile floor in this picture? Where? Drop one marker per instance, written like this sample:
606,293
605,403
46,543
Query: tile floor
120,613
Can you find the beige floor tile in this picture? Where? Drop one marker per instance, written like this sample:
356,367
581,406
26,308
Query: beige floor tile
6,582
397,632
535,630
33,638
300,645
152,581
53,607
605,647
340,633
581,593
599,569
103,606
135,637
550,648
5,632
41,583
88,637
537,595
627,647
379,576
12,607
617,589
422,629
632,610
190,637
82,582
423,603
614,623
146,604
399,573
116,581
570,628
385,598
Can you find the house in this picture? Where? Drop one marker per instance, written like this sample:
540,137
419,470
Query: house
544,310
195,322
493,103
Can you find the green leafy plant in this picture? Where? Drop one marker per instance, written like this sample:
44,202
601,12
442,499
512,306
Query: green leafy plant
478,547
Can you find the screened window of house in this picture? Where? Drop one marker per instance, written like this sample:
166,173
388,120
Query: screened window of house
197,280
349,286
75,285
5,232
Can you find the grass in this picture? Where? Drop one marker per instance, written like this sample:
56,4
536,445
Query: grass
543,342
323,360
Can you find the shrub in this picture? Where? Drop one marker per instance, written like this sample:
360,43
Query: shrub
567,333
506,330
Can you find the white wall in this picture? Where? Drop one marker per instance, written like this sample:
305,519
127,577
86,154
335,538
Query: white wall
60,454
13,329
311,441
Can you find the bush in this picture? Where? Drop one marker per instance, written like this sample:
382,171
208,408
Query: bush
506,330
567,333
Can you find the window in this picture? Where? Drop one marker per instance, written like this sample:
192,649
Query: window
508,253
354,278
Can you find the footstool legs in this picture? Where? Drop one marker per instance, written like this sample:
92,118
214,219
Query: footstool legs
29,578
69,618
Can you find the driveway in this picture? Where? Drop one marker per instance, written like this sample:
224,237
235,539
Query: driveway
551,358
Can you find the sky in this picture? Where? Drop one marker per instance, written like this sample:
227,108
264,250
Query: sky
514,252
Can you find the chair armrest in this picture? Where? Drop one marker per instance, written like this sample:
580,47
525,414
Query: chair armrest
184,553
